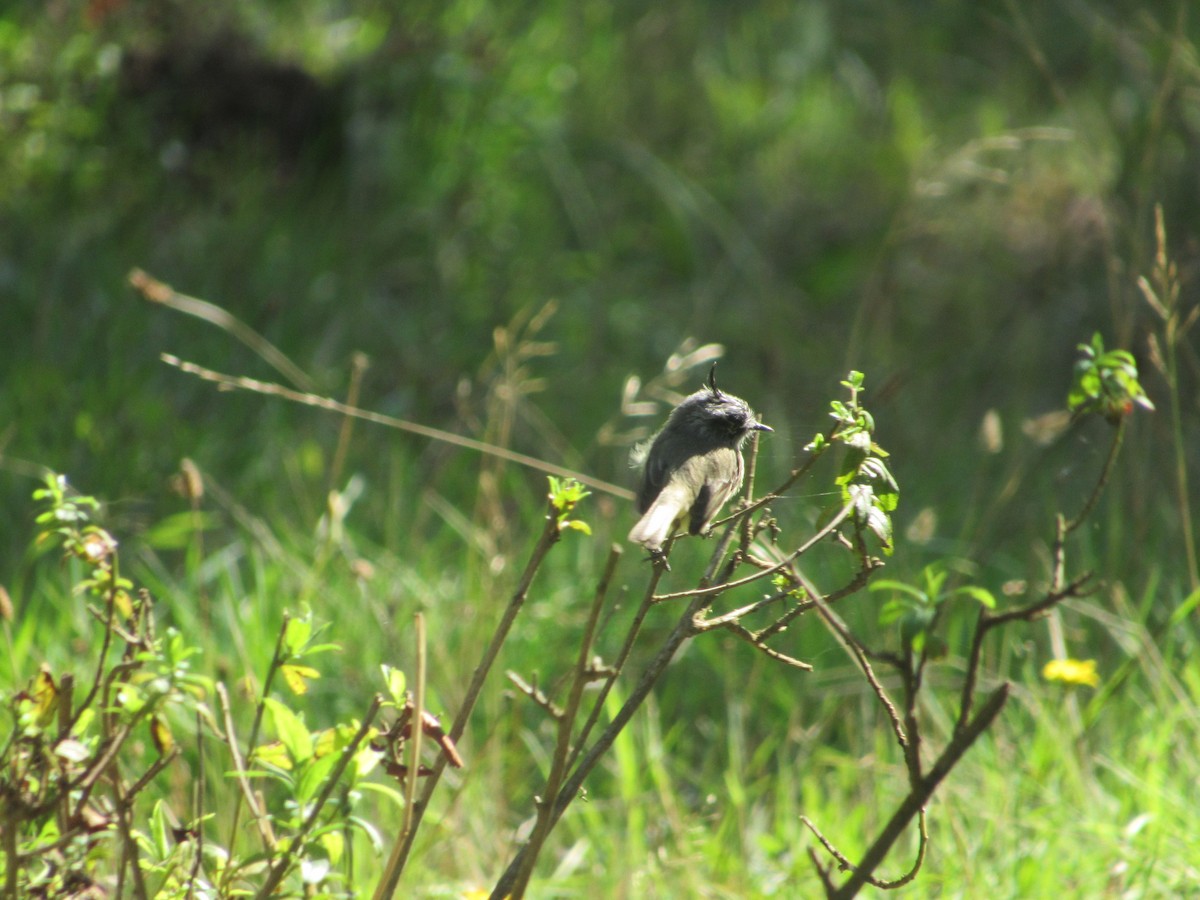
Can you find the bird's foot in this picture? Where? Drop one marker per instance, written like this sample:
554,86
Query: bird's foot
658,558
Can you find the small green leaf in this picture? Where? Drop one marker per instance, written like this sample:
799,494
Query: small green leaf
981,595
296,634
903,587
290,730
334,844
273,754
893,610
396,683
312,776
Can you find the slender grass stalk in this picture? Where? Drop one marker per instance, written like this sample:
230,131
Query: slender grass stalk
403,847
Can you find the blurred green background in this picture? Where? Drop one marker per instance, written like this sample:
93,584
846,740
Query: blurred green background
948,196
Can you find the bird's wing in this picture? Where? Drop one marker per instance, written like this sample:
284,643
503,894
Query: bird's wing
658,469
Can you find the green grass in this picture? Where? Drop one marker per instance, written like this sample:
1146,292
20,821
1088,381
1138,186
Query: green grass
949,201
704,793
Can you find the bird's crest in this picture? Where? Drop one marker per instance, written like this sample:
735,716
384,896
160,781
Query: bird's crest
712,380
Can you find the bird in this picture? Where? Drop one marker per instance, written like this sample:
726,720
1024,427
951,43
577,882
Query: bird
692,466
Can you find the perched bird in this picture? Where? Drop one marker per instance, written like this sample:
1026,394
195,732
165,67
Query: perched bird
693,465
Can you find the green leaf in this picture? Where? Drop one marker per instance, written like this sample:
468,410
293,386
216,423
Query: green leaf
880,524
296,634
396,683
160,830
313,776
903,587
386,790
893,610
1184,609
334,844
981,595
289,729
273,754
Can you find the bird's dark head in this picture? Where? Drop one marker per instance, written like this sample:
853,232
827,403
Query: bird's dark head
723,418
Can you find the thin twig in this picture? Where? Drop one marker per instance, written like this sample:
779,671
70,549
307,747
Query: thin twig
749,637
853,586
842,631
239,771
535,694
157,292
414,765
618,664
129,848
566,722
846,865
358,368
232,382
151,773
919,796
719,588
98,680
741,612
403,847
1101,482
264,824
197,809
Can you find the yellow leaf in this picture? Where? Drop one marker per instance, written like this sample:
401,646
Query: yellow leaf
273,754
334,843
164,741
124,603
45,696
295,677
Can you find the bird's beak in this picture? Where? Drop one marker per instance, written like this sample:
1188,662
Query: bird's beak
759,426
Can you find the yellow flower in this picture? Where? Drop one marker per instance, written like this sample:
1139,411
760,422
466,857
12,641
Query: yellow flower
1072,671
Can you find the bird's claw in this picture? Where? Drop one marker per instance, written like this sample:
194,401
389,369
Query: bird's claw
658,558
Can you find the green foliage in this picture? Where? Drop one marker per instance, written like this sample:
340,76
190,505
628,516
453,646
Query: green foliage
663,172
916,608
77,785
1106,382
565,495
867,486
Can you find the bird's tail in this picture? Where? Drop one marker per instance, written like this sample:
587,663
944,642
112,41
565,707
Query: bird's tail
656,525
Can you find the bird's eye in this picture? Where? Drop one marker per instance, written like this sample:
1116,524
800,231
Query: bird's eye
735,421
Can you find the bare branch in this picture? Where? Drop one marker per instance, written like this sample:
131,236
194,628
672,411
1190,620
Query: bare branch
840,629
750,638
534,693
721,587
